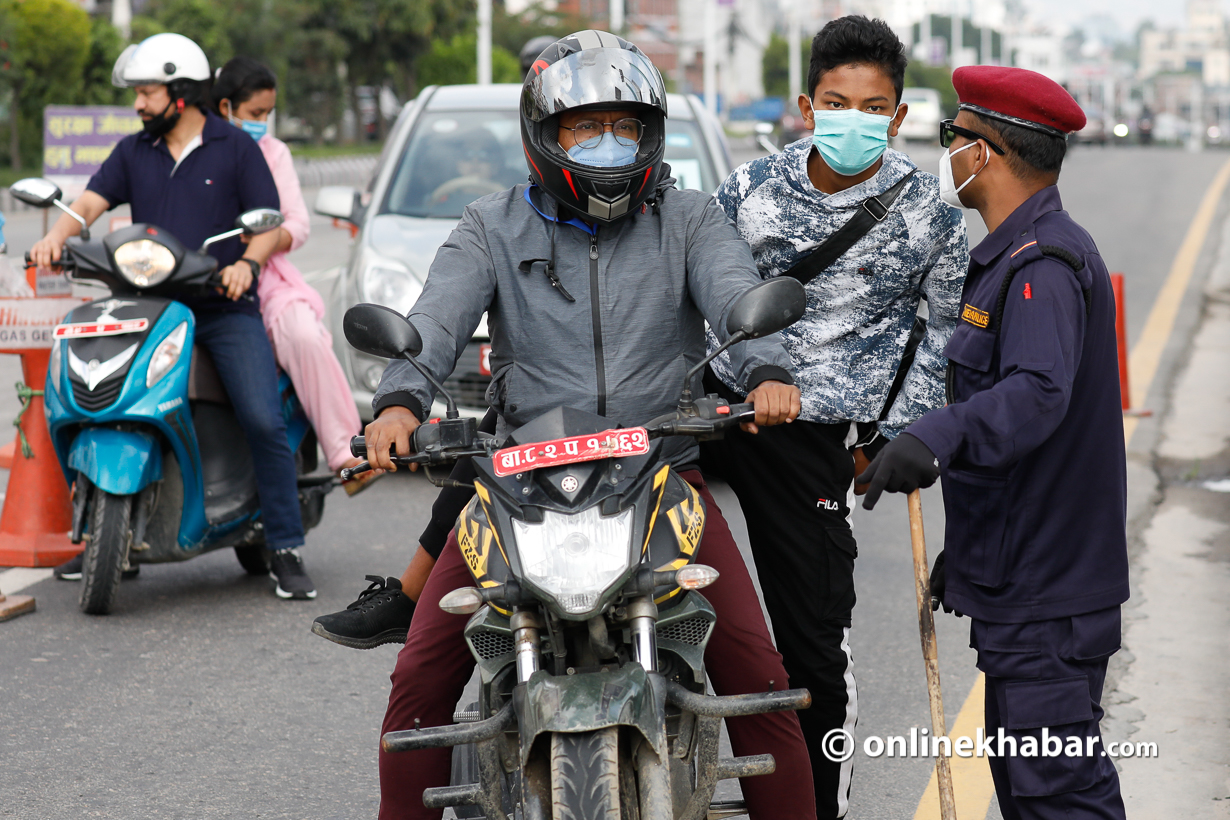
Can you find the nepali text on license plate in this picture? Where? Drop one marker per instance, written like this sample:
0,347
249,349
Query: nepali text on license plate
116,328
633,441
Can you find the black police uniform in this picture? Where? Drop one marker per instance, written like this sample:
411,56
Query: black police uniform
1034,475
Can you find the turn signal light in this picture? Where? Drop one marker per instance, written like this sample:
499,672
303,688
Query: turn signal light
696,576
464,601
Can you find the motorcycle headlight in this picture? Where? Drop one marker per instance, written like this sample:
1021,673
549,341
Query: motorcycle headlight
144,262
53,374
166,354
389,283
575,558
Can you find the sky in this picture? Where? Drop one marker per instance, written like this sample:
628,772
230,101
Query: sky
1128,13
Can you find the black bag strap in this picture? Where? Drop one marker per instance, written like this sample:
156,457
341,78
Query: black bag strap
870,213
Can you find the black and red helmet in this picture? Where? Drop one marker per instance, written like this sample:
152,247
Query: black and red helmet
593,69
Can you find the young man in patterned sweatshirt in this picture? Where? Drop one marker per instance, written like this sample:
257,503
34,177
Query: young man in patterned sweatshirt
794,481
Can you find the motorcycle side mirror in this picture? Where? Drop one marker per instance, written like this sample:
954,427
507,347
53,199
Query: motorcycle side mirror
767,308
43,193
763,309
258,221
381,331
249,223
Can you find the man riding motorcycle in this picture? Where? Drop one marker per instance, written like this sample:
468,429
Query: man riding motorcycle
191,173
597,278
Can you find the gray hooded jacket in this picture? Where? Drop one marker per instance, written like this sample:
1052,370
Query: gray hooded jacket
614,327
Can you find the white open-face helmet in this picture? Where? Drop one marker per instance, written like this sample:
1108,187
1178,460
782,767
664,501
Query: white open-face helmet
162,58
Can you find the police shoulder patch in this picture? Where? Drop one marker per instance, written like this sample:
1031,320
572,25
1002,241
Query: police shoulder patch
975,316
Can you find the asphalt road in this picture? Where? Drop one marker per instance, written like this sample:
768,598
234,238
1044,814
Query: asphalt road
203,695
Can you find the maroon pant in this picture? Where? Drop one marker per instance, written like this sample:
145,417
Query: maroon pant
435,664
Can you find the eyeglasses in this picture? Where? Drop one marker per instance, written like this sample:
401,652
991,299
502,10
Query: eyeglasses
949,132
588,133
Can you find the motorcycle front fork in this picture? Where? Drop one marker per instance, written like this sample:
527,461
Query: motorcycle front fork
642,617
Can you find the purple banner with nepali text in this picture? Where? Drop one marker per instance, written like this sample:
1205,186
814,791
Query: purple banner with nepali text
77,138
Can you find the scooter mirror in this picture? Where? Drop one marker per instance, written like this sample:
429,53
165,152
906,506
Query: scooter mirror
767,308
41,193
381,331
258,221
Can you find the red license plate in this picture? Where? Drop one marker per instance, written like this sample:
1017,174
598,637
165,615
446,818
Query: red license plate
633,441
80,329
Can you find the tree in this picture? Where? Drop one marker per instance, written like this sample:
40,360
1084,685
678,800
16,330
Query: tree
512,31
202,21
106,43
48,42
776,68
456,61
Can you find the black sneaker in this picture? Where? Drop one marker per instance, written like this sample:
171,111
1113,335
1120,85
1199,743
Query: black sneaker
70,570
381,615
286,567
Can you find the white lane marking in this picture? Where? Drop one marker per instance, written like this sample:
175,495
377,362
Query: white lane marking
18,578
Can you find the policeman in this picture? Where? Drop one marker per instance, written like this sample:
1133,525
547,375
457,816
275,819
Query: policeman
1030,450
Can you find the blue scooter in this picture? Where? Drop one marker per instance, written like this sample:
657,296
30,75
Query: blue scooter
140,420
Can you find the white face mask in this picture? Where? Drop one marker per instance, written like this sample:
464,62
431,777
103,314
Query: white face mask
948,186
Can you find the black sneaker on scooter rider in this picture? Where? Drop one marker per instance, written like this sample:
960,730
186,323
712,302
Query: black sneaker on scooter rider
70,570
381,615
286,567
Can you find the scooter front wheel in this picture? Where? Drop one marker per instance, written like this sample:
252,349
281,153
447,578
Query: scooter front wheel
106,552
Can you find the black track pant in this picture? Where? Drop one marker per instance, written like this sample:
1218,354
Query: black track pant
793,483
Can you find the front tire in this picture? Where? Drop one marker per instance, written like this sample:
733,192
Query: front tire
106,552
585,775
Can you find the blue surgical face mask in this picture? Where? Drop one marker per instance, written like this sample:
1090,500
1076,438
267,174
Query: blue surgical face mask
253,128
609,153
849,140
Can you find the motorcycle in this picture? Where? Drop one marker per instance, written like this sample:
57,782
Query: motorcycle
140,420
588,626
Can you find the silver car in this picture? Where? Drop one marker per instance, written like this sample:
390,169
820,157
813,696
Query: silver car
450,146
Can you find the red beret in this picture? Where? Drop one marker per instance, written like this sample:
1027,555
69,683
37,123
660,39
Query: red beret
1018,96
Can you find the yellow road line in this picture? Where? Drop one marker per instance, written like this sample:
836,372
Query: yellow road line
1146,354
971,779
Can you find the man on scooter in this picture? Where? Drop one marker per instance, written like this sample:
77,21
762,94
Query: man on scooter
597,279
190,173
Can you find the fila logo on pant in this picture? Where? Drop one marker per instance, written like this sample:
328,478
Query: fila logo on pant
828,505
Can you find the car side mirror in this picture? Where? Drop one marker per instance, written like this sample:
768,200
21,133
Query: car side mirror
767,308
258,221
41,193
381,331
337,201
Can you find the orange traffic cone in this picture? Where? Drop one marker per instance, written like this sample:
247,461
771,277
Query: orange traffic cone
37,517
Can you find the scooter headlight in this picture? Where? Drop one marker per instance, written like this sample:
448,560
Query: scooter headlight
144,262
575,558
166,354
53,372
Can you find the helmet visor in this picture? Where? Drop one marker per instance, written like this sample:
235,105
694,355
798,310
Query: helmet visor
593,76
121,64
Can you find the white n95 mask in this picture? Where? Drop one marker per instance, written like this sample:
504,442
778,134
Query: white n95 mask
948,186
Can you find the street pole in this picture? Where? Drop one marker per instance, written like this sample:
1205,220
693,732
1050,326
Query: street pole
924,34
795,40
121,17
617,16
710,69
956,38
484,42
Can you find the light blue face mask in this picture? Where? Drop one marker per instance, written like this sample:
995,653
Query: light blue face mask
849,140
609,153
253,128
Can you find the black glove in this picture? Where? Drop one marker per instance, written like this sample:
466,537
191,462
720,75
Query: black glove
904,465
938,583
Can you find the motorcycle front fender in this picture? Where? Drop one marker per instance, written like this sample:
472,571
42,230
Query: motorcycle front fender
592,700
120,462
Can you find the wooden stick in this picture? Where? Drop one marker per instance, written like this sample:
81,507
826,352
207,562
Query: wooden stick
926,630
